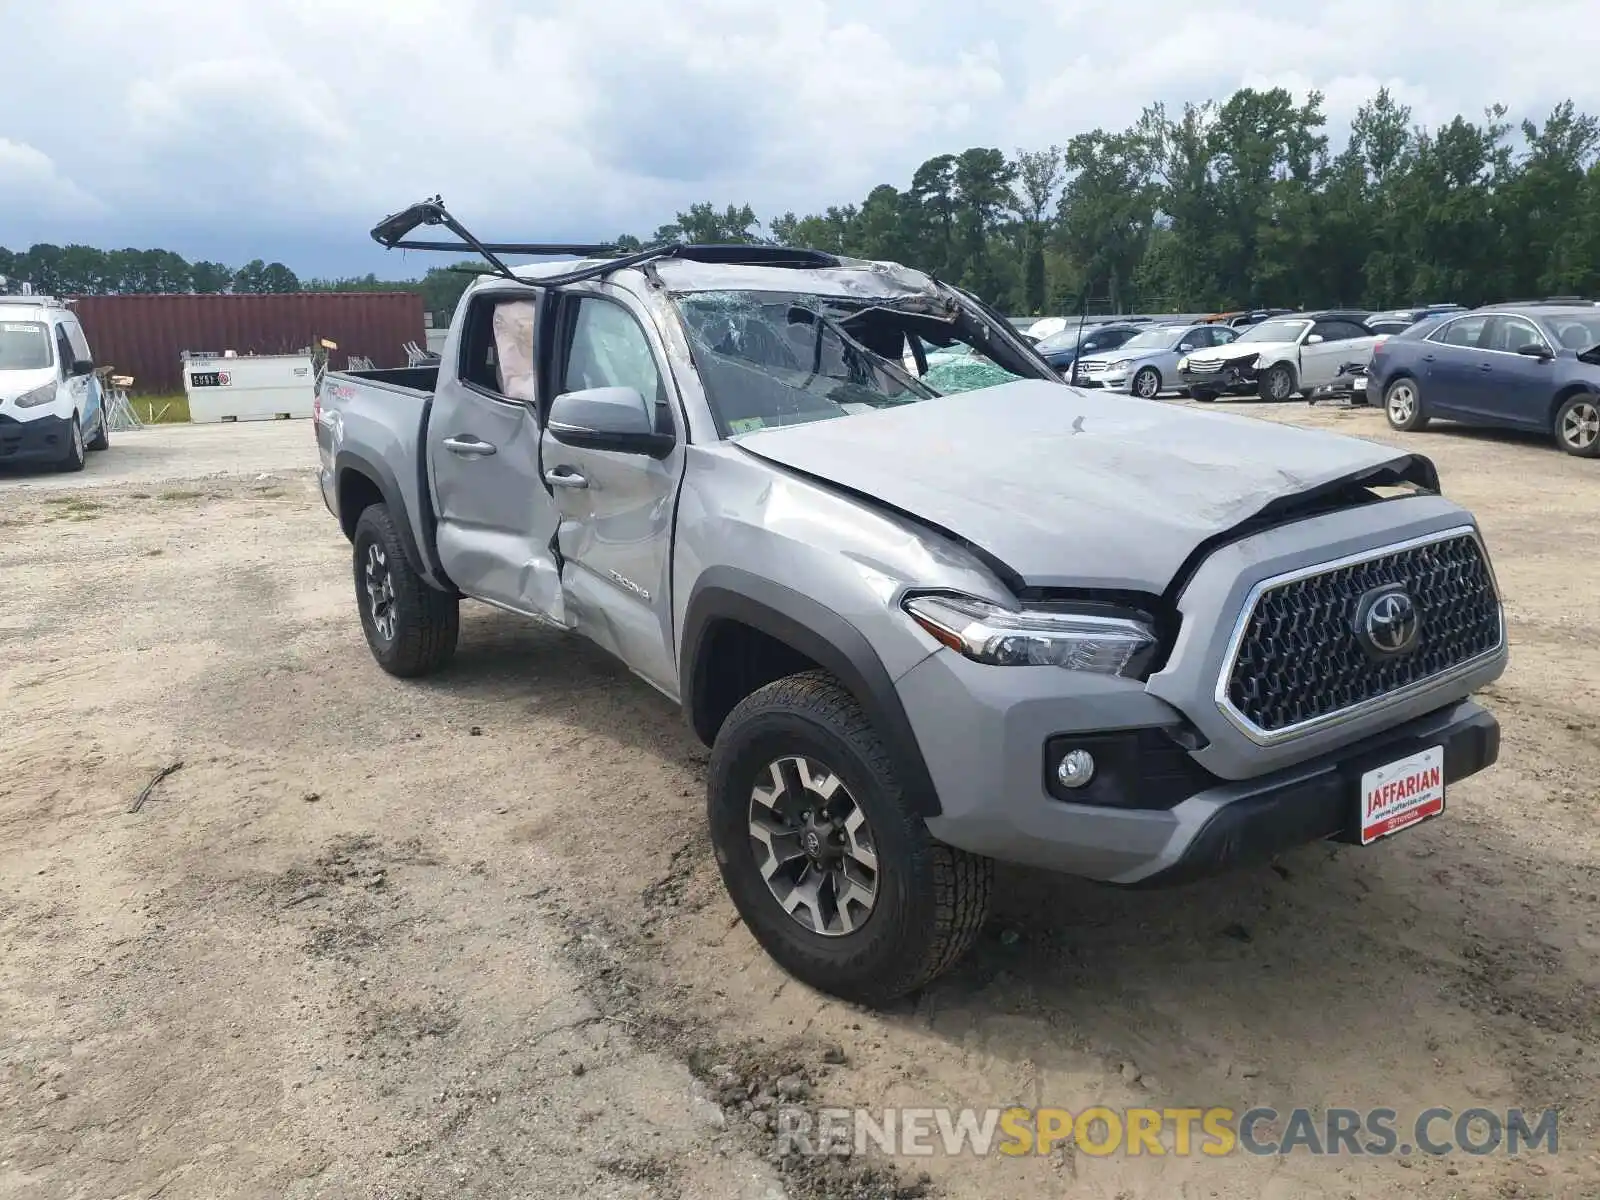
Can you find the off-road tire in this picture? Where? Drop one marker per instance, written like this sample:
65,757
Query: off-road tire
1152,386
427,621
74,459
102,433
1570,410
932,899
1406,418
1277,383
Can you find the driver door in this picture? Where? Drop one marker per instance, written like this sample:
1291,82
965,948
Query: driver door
616,509
496,520
1320,360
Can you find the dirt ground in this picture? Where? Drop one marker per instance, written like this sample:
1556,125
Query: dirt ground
465,938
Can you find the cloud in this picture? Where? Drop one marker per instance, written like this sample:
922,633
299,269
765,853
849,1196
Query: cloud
31,180
285,128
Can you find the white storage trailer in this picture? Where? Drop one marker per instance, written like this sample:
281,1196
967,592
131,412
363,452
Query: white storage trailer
262,387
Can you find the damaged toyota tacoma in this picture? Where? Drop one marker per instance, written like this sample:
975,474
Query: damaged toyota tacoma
929,606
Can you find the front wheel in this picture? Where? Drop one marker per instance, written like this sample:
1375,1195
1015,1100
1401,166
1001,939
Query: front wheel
74,459
411,627
1277,383
1578,425
1147,383
834,874
1402,404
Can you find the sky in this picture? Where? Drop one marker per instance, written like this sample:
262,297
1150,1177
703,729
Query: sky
283,129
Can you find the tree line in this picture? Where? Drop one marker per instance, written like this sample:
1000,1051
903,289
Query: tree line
76,270
1241,203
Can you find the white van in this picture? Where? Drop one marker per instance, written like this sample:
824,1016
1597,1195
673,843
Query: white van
50,404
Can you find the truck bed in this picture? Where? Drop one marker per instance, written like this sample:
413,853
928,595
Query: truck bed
410,379
372,427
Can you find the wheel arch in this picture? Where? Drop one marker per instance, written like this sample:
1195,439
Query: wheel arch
360,482
767,627
1565,394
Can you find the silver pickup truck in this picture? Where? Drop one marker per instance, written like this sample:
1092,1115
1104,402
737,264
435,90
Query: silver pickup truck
929,609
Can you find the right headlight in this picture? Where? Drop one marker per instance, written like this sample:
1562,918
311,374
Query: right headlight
39,395
1034,637
1183,363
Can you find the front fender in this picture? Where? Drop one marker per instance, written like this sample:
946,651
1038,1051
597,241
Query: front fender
724,593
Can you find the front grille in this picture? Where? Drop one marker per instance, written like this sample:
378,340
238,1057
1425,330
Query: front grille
1299,658
1205,364
1095,368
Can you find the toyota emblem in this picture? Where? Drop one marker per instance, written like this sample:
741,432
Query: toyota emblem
1388,622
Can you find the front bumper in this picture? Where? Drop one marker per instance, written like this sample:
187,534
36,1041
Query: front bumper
1227,378
1245,824
992,773
43,439
1108,383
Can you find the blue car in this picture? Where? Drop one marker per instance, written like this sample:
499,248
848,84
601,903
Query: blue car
1532,366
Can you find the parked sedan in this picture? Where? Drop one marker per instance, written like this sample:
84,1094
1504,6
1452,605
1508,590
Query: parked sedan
1280,356
1530,366
1147,363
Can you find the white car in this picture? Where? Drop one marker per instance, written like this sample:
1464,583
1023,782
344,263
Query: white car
1281,357
50,404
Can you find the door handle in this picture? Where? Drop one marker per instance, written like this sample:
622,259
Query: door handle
1427,358
469,447
1486,367
565,477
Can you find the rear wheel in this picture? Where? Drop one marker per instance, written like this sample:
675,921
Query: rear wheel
834,874
1147,383
1402,404
411,627
102,433
1577,425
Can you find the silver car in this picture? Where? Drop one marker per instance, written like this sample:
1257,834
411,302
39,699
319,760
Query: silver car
1147,364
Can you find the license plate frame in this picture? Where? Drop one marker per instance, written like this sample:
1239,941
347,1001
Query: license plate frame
1400,794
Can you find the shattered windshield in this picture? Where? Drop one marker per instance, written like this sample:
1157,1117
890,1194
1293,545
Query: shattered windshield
768,359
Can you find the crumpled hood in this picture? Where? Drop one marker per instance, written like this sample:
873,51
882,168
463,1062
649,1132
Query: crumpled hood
15,383
1235,351
1065,487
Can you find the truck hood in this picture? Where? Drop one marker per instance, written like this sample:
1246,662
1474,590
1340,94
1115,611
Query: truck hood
1067,488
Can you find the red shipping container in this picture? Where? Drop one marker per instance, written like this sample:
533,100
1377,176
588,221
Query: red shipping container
145,336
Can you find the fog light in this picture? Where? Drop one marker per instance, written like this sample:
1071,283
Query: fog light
1075,769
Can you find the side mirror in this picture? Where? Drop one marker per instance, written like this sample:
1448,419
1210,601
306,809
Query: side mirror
1314,339
83,366
1185,346
1535,350
608,418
